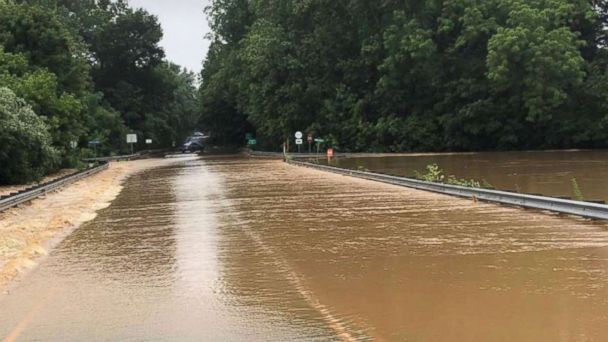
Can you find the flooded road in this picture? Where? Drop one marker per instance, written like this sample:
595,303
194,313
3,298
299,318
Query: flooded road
546,173
229,249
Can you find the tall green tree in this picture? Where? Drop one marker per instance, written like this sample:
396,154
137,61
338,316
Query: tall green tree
128,71
411,75
26,152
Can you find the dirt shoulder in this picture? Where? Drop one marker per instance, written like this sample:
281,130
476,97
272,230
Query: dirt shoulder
27,232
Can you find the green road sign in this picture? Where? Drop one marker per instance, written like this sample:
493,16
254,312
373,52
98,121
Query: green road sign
252,142
319,140
248,136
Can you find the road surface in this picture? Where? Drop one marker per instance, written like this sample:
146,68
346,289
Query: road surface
233,249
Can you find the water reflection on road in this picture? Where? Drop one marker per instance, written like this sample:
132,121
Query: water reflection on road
235,249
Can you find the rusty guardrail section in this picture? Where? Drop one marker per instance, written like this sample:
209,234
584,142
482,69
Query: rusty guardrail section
29,194
563,206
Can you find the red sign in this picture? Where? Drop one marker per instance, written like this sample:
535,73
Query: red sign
310,138
330,152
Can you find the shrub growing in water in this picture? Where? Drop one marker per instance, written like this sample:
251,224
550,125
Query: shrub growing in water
435,174
26,153
576,190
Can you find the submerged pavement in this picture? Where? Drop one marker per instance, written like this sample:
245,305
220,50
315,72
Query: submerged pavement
235,249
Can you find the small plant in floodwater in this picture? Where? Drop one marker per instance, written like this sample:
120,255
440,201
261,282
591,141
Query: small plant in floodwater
576,190
517,188
486,185
452,180
435,174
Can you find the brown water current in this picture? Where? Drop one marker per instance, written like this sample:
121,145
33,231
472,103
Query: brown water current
547,173
232,249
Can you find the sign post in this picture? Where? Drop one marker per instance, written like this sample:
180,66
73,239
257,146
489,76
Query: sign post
131,139
330,154
299,141
309,142
285,150
319,141
251,141
95,143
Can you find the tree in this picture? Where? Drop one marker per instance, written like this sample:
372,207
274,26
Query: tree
411,75
129,74
26,153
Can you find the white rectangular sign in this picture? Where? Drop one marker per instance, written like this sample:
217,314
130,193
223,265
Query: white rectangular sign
299,142
148,141
131,138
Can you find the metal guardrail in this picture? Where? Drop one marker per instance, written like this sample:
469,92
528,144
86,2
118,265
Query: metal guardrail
302,155
138,155
563,206
29,194
264,154
114,158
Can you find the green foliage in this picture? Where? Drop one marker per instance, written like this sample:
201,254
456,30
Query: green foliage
45,66
537,54
486,185
452,180
156,99
45,42
93,70
576,190
435,174
26,153
409,75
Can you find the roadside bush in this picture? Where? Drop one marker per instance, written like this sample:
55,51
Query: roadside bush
435,174
26,153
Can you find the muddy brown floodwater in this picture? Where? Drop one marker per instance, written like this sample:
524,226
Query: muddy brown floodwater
547,173
231,249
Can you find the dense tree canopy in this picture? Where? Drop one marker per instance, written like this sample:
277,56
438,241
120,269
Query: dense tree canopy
25,143
405,75
92,70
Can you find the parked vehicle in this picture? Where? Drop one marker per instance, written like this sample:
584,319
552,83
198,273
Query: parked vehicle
194,143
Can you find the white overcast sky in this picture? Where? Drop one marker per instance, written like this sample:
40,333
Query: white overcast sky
184,26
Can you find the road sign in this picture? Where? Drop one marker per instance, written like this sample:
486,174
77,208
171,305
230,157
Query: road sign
131,139
310,138
319,141
299,135
148,141
95,143
252,142
330,152
299,141
249,136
